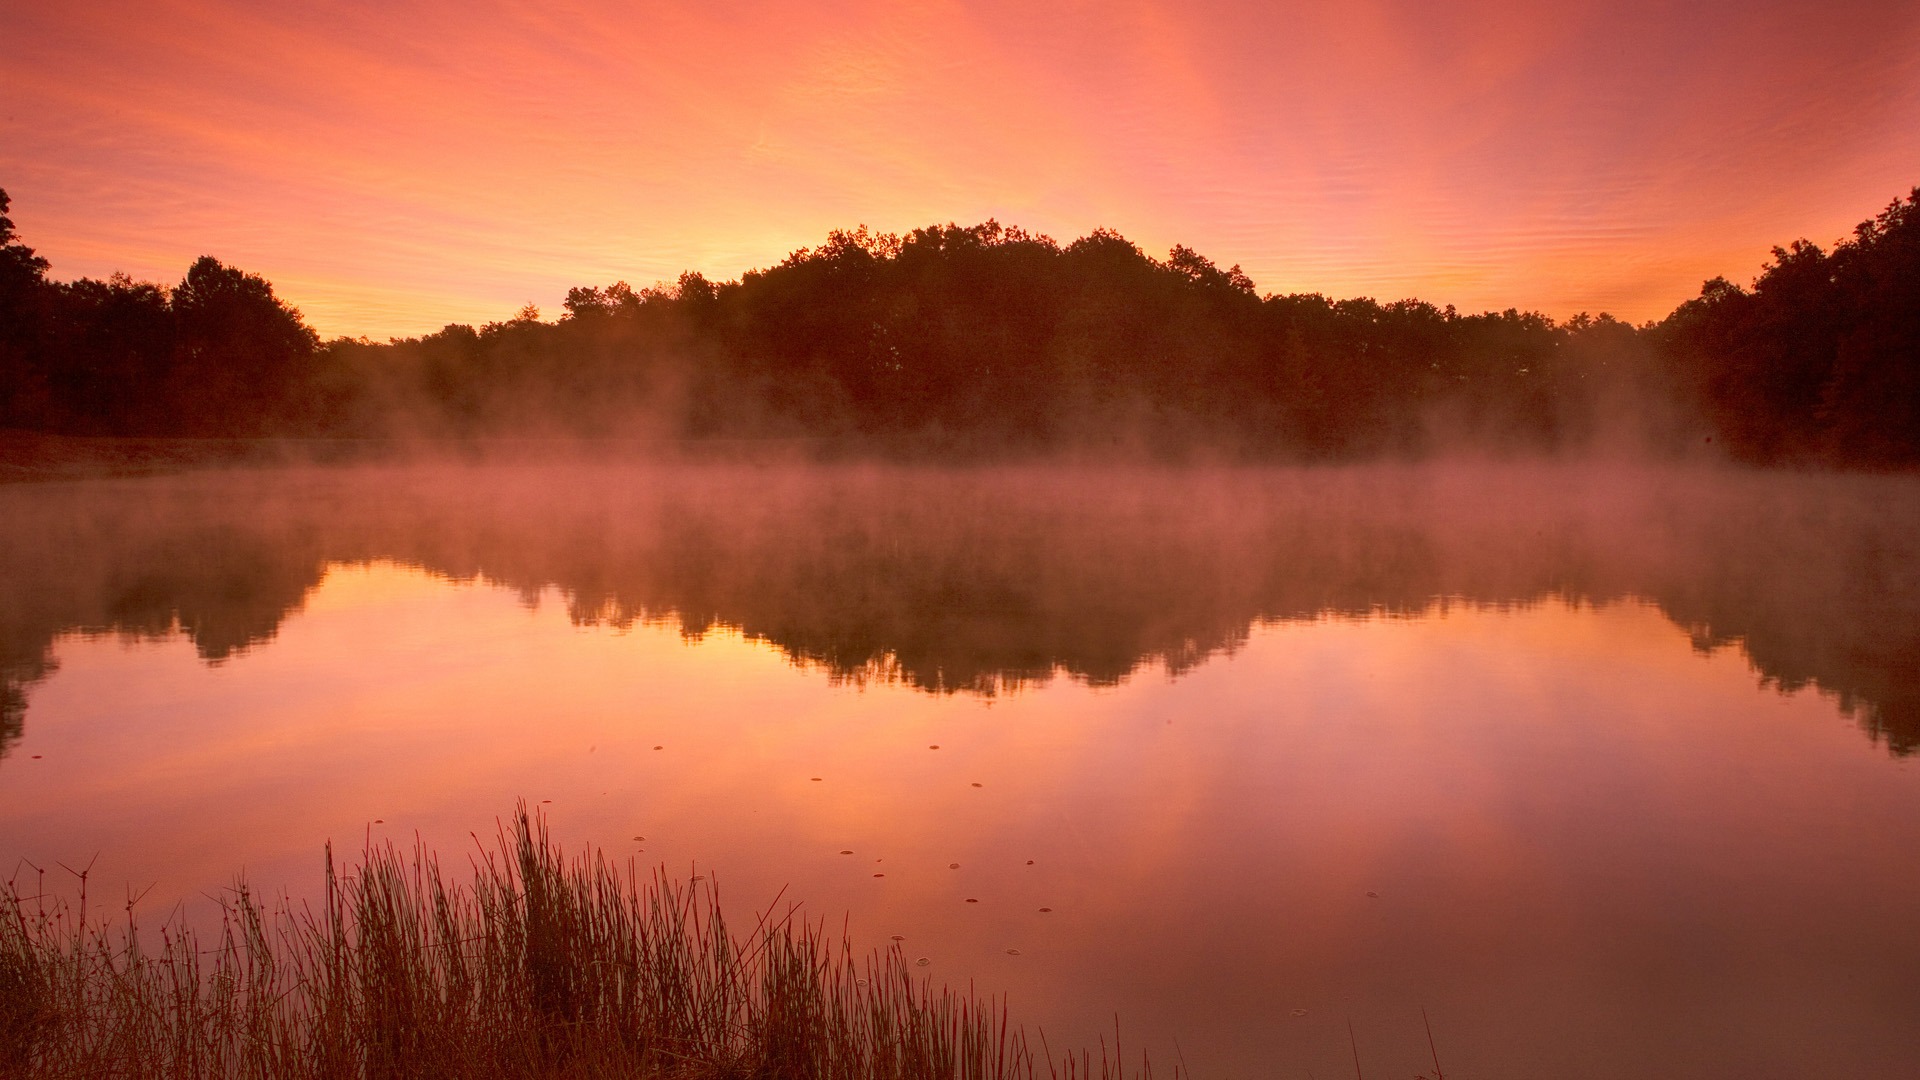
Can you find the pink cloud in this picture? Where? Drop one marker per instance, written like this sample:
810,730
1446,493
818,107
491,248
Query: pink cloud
396,167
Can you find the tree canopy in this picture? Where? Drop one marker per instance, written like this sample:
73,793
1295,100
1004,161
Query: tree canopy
992,340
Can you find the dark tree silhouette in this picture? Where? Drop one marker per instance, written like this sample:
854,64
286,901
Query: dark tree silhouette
217,355
116,343
242,358
1820,361
988,340
23,300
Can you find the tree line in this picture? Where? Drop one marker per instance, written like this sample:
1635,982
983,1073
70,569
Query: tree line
989,340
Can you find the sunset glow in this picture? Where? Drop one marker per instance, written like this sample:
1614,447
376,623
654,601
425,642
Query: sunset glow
1409,818
392,168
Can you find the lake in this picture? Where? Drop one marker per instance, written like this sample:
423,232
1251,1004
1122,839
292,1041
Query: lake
1606,770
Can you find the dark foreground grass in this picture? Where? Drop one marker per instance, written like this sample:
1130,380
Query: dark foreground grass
543,966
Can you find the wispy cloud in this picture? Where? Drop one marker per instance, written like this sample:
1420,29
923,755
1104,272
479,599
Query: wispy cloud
398,166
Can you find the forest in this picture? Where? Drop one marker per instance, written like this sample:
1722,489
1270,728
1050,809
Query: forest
989,341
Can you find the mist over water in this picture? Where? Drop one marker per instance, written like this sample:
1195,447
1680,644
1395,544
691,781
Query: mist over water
985,579
1606,766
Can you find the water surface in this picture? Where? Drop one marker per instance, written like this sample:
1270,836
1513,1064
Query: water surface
1605,769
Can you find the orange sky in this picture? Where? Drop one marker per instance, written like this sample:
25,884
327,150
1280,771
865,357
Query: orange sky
396,166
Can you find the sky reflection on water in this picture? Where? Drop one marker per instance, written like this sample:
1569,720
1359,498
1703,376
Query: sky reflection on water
1584,845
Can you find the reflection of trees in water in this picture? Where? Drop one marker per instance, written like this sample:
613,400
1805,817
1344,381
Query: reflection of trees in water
73,563
15,677
987,580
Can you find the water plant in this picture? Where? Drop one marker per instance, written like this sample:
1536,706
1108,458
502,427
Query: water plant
539,966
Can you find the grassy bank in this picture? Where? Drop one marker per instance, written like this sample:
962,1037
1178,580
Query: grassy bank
539,966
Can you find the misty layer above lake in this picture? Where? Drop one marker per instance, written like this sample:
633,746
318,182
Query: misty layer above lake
986,580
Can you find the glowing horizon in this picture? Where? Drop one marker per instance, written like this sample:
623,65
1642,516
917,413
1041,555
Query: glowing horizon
394,169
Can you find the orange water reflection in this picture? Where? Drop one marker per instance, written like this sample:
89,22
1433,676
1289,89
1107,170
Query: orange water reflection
1583,846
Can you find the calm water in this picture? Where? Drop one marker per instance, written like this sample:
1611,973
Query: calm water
1606,770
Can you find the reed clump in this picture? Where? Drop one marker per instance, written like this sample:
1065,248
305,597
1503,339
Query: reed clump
540,966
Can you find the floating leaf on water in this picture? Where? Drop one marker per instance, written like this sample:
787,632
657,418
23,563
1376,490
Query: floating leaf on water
899,937
971,900
1013,952
546,800
639,838
923,961
1046,909
935,746
879,875
953,866
379,821
1029,862
847,852
816,779
979,785
659,748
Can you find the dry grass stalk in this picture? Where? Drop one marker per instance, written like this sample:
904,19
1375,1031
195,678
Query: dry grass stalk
542,967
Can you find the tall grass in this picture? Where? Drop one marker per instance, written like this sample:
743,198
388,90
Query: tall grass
542,966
